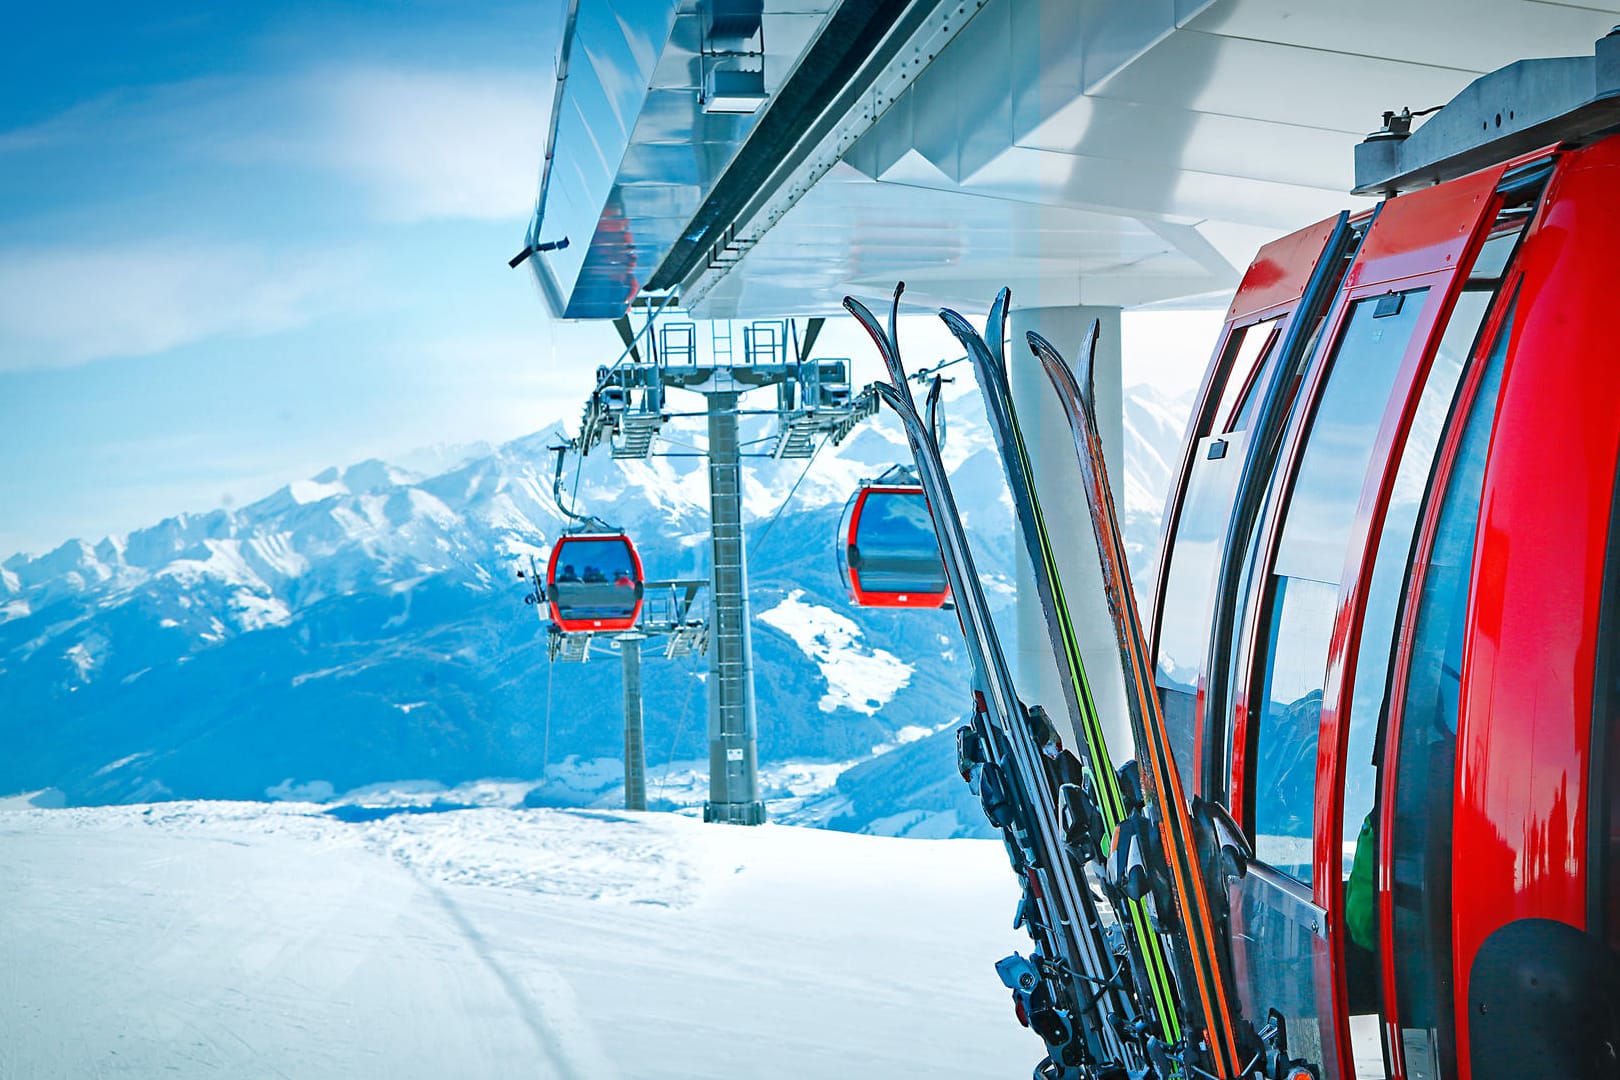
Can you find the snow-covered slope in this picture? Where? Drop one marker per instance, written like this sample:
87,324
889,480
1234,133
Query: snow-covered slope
274,940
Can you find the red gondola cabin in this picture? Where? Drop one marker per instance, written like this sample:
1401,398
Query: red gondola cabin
890,556
594,583
1387,624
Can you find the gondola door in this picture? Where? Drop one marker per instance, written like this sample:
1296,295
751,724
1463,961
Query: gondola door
1198,513
1234,437
1385,368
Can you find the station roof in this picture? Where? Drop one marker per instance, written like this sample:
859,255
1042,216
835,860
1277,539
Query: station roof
1109,152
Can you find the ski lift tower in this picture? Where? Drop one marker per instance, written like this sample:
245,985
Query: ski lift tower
668,611
813,404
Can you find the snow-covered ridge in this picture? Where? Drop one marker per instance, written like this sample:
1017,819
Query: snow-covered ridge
367,624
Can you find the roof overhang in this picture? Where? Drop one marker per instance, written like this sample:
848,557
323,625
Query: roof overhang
1114,153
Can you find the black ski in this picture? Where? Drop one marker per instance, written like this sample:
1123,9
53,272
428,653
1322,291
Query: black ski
1169,841
1070,990
1154,983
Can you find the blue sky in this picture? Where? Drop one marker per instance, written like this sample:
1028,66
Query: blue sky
240,242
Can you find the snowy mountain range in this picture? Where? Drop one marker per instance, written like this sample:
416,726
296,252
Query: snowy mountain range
366,626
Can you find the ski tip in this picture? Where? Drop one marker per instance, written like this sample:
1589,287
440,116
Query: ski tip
1086,375
1088,361
934,415
895,367
959,326
885,341
983,357
868,321
1044,350
995,327
1058,370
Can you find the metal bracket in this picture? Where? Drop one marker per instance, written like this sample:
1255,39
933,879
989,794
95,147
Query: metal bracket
1511,111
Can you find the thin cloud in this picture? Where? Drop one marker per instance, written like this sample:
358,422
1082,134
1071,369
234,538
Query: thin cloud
434,145
184,117
63,306
420,144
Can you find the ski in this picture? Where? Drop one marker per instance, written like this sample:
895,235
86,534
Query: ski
986,352
1069,992
1177,843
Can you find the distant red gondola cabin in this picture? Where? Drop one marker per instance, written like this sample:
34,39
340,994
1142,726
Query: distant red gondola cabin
890,555
594,583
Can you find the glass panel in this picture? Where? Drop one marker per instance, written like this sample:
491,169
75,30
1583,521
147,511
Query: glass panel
1393,556
596,578
1289,719
1180,709
1253,347
1276,957
1425,764
1495,252
895,546
1340,442
1200,534
1233,659
1190,589
1310,561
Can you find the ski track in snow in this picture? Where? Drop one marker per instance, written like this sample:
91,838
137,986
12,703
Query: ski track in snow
272,940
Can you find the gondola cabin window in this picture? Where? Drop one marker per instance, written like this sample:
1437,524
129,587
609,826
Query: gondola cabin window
891,556
1305,580
1200,534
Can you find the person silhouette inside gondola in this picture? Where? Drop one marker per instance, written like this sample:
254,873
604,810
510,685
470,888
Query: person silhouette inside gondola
568,573
594,576
621,579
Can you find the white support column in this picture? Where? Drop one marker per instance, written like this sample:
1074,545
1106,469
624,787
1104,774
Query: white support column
1057,478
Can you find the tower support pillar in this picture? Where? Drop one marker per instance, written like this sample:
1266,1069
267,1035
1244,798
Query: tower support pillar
1057,479
733,754
635,754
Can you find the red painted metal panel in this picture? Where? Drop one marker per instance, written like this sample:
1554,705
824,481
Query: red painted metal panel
1528,669
1279,272
1424,231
